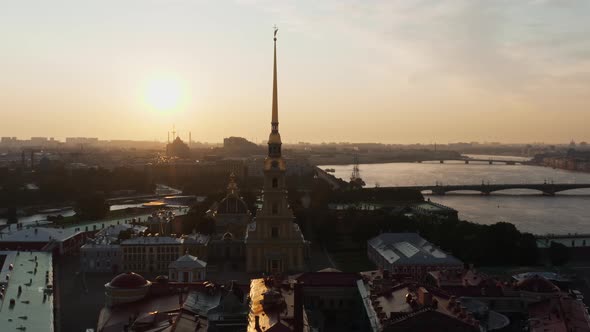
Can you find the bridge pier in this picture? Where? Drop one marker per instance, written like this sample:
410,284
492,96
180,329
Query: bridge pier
548,193
491,162
466,161
442,161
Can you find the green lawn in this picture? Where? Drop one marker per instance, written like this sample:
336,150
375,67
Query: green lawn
117,214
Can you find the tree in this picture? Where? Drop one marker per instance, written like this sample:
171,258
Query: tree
92,206
206,226
11,216
559,254
125,234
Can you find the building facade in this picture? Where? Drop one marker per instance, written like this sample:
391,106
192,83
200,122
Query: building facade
150,254
274,243
187,269
231,216
101,257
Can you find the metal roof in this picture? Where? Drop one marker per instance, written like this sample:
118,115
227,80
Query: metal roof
38,234
31,302
410,249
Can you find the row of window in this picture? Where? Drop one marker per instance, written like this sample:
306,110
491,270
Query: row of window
322,303
99,254
149,249
161,257
143,267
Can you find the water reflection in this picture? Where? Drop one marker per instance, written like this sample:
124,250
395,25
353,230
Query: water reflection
567,212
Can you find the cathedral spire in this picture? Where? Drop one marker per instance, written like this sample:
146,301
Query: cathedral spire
275,101
274,140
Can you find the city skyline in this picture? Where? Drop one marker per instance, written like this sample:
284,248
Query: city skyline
382,71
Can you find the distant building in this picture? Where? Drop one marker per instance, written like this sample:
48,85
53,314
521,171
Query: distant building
8,140
178,149
432,209
60,241
187,269
160,222
408,253
150,254
100,257
153,254
240,146
84,141
39,140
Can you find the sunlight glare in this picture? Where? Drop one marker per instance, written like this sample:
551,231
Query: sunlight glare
163,94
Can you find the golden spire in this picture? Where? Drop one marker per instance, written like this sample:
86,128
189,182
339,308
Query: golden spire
275,101
274,139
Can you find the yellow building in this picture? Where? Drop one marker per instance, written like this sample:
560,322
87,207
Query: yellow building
274,243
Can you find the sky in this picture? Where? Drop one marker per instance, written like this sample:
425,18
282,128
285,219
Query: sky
391,71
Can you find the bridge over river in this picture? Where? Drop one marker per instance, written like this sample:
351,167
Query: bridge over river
549,189
466,160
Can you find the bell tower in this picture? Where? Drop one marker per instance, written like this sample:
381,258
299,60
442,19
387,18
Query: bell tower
274,243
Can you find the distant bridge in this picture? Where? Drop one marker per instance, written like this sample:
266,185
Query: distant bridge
468,160
549,189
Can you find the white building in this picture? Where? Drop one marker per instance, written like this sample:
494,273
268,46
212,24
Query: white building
187,269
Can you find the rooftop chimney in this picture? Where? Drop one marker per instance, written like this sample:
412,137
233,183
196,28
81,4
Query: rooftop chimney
424,296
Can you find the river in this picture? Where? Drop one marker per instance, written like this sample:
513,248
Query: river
566,212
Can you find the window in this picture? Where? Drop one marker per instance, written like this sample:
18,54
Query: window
275,232
275,208
275,183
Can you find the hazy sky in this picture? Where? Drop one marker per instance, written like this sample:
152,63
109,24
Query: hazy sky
394,71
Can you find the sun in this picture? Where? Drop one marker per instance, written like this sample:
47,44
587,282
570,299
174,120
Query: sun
163,94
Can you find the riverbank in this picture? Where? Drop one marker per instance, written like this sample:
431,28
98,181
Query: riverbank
128,213
401,156
528,210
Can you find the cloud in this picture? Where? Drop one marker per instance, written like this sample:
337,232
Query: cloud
510,47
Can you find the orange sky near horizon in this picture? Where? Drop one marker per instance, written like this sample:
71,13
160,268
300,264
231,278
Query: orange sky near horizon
388,71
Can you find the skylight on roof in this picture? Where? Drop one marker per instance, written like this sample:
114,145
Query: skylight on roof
406,248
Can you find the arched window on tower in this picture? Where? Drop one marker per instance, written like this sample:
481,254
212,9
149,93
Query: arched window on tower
275,208
275,183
